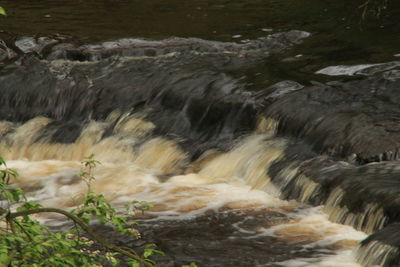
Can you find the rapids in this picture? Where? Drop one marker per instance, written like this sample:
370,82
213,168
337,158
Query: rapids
287,173
225,198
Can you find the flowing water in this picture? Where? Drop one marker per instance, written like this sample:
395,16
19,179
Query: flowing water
184,131
221,198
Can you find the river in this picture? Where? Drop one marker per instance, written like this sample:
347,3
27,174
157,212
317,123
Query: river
249,156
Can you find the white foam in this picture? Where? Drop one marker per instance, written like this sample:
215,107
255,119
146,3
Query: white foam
363,69
342,259
344,70
313,224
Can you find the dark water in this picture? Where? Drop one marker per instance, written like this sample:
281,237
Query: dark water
340,34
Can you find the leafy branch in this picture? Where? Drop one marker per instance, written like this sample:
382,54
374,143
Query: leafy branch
127,252
25,241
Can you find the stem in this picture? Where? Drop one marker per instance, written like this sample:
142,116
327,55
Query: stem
85,227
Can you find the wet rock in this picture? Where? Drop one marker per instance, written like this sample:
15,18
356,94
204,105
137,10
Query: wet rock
295,58
358,117
32,44
278,90
369,196
65,50
188,92
365,197
145,48
6,53
381,248
309,181
392,75
60,132
6,127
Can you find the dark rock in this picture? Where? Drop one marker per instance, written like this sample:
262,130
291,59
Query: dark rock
6,53
365,197
358,117
278,90
60,132
140,47
381,248
33,44
370,194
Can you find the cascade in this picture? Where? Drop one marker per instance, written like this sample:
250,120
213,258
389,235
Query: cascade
254,171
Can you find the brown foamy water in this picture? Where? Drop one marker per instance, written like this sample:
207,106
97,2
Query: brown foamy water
233,185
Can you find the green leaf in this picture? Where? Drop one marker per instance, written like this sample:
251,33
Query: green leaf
2,11
149,246
147,253
2,161
4,258
134,264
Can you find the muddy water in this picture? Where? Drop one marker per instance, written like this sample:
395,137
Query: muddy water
219,210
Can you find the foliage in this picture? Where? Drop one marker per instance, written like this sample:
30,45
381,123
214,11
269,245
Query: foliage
26,242
3,11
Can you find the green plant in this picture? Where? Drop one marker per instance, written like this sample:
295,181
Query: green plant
86,173
26,242
3,11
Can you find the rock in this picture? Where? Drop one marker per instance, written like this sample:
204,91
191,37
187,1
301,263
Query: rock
366,197
185,87
6,53
358,117
32,44
145,48
381,248
278,90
